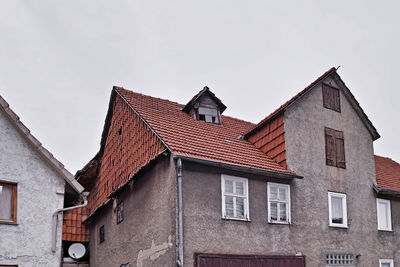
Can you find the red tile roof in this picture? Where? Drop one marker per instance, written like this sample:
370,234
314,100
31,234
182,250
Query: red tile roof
186,136
73,228
387,173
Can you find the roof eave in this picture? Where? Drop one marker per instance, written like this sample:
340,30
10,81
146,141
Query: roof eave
240,168
26,133
385,191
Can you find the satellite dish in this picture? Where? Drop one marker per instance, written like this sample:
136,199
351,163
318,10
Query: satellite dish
76,251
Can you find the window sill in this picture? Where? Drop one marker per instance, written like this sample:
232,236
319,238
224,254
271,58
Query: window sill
339,226
235,219
8,222
276,222
385,230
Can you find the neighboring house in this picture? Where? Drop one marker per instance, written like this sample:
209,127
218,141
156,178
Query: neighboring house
32,187
184,185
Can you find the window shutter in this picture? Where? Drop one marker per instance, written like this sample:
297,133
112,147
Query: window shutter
340,158
336,99
330,147
331,97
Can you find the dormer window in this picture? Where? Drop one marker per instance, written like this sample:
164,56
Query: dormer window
205,106
208,115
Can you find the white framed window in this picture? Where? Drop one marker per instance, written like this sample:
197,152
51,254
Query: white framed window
386,263
337,210
335,259
278,203
384,214
235,198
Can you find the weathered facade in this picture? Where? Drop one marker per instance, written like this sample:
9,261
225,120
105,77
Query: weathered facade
297,189
38,182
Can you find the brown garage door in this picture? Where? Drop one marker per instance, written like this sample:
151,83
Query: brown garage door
214,260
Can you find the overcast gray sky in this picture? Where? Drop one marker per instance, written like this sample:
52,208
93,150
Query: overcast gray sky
60,59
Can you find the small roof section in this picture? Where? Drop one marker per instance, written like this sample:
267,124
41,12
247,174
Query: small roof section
204,91
350,97
387,174
26,133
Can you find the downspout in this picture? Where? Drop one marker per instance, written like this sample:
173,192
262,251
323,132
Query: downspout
180,216
55,217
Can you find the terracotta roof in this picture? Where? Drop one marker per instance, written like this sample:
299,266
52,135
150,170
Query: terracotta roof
185,136
26,133
387,173
349,96
73,228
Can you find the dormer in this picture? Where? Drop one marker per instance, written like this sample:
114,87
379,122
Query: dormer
205,106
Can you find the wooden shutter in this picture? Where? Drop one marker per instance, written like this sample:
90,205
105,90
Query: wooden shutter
331,97
330,147
340,158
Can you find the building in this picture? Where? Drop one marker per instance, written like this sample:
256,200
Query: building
32,188
186,185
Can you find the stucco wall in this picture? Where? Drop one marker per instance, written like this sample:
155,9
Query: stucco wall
206,232
304,122
29,242
146,237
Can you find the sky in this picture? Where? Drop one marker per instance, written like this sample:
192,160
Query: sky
60,59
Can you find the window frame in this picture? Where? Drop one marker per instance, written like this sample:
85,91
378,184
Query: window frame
288,206
120,212
382,261
246,216
389,214
102,234
344,209
14,202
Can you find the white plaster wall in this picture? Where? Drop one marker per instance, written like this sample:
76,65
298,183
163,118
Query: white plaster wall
29,242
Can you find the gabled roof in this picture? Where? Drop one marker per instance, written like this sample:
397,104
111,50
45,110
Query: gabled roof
387,174
350,97
184,136
58,166
204,91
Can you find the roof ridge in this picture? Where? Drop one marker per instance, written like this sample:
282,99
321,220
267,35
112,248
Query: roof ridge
154,97
40,148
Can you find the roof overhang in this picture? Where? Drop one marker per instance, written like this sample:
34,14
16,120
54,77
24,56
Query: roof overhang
385,191
36,144
234,167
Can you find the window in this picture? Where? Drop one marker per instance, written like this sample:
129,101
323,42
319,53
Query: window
384,214
101,234
208,115
339,259
337,210
235,193
120,212
331,97
386,263
334,148
8,203
278,203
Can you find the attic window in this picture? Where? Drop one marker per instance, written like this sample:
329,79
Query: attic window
208,115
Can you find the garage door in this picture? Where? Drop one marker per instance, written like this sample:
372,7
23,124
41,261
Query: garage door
213,260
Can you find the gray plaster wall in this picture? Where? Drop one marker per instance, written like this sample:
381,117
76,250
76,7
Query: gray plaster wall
304,123
146,236
206,232
40,194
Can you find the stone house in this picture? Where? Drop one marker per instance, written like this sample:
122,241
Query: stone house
32,188
185,185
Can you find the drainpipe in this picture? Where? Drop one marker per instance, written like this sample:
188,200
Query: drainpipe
180,217
55,217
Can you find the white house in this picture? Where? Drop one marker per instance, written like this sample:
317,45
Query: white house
32,184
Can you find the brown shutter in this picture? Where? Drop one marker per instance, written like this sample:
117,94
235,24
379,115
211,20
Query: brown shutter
330,147
325,95
340,159
336,99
